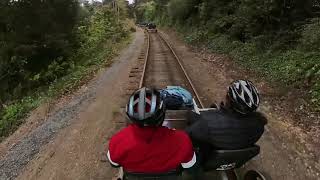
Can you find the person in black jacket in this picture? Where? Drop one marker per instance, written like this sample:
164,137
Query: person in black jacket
235,124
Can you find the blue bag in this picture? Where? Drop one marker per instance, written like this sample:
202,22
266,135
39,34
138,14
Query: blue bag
176,97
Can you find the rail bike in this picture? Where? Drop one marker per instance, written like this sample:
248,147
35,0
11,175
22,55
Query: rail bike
222,164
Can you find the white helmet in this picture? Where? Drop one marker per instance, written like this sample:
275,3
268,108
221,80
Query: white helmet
146,108
244,96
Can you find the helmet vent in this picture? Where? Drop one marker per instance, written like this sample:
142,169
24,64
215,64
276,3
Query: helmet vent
136,96
244,96
135,108
143,107
247,98
148,103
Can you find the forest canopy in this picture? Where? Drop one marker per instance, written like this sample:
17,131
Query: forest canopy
279,39
48,47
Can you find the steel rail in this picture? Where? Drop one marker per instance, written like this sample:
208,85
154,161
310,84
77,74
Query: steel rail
183,69
179,62
145,62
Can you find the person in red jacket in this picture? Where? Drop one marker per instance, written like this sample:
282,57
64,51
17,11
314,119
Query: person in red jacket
145,146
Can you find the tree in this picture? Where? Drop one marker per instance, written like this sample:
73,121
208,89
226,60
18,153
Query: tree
34,33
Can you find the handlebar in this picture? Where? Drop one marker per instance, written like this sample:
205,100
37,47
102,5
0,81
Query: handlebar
197,110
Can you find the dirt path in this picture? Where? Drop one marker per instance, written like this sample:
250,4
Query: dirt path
83,126
287,152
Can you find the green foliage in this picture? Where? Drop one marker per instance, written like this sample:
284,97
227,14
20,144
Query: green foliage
97,35
279,39
296,68
149,11
132,29
12,114
33,34
180,10
145,12
311,35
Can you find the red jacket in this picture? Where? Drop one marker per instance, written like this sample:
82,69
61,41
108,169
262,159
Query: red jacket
151,149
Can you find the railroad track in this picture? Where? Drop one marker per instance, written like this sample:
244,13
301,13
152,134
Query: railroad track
162,67
159,66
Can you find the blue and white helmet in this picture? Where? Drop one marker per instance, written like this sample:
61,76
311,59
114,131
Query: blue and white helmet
244,96
146,108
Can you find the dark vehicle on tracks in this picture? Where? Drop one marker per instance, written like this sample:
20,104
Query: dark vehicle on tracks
151,27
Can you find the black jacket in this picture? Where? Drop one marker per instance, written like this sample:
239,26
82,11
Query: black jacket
226,129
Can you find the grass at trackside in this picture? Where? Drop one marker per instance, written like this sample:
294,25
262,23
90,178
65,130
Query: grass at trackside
290,68
99,57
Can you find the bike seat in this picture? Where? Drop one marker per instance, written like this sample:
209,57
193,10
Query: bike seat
172,175
222,160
